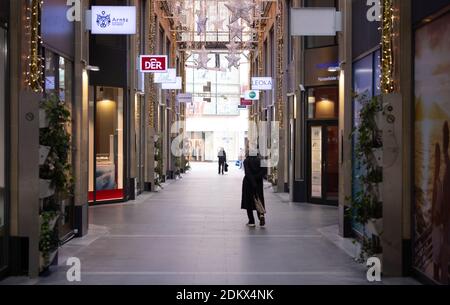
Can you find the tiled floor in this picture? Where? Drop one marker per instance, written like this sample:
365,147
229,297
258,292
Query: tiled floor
193,232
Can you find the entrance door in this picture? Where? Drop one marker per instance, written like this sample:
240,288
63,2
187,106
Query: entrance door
3,209
107,170
323,162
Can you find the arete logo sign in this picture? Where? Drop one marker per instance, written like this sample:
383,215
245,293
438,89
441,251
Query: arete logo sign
114,20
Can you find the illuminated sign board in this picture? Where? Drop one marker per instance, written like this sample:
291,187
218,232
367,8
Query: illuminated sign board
119,20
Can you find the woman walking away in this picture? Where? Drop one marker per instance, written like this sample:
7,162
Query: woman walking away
222,160
252,189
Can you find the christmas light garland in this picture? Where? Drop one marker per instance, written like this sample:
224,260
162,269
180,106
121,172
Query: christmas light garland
387,58
152,92
34,74
280,70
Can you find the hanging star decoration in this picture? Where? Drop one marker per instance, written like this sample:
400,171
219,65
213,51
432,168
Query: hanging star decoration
201,22
232,46
218,24
235,30
240,9
234,56
233,60
202,60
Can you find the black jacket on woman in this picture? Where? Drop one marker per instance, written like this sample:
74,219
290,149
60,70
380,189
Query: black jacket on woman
253,183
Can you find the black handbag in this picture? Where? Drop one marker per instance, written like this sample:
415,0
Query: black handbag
226,167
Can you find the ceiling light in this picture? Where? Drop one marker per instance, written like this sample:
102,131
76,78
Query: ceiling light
93,68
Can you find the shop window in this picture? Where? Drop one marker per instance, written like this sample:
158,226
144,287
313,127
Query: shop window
323,103
108,145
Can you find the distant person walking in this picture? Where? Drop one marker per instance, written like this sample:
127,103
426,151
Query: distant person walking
222,155
252,189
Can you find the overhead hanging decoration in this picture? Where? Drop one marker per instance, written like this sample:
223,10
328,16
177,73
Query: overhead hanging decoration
34,75
202,19
235,30
240,9
203,58
387,60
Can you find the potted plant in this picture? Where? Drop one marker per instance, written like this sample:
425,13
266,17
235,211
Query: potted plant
55,173
366,206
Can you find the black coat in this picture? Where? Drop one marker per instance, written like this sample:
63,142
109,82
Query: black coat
253,183
222,156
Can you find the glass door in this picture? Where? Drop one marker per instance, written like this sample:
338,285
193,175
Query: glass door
3,210
323,162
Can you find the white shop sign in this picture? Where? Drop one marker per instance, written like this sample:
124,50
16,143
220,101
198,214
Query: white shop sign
113,20
262,83
168,77
315,21
173,86
184,98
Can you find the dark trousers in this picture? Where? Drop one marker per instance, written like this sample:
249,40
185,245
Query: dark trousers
221,167
251,217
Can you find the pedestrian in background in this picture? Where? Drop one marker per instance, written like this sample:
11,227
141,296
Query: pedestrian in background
252,188
222,155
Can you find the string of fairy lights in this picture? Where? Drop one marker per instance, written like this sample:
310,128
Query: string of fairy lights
152,46
387,57
280,67
34,73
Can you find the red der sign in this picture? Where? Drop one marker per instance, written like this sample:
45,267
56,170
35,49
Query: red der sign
245,102
153,63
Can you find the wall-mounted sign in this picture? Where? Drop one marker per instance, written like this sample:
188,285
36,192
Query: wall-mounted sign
153,63
184,98
251,95
262,83
315,21
245,102
166,77
317,64
119,20
173,86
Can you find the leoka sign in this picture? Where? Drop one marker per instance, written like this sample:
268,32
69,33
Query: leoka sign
251,95
153,63
262,83
120,20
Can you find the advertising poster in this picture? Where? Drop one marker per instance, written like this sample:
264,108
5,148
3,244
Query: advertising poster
432,160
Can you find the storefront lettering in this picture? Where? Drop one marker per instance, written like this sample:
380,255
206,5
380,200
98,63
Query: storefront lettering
74,12
374,12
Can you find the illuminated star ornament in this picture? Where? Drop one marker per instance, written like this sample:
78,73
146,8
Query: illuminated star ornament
240,9
202,60
235,30
232,47
201,24
218,24
233,60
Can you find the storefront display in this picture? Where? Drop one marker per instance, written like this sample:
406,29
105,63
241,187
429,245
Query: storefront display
431,150
108,142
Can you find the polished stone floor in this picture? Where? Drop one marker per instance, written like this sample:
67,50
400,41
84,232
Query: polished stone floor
193,232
